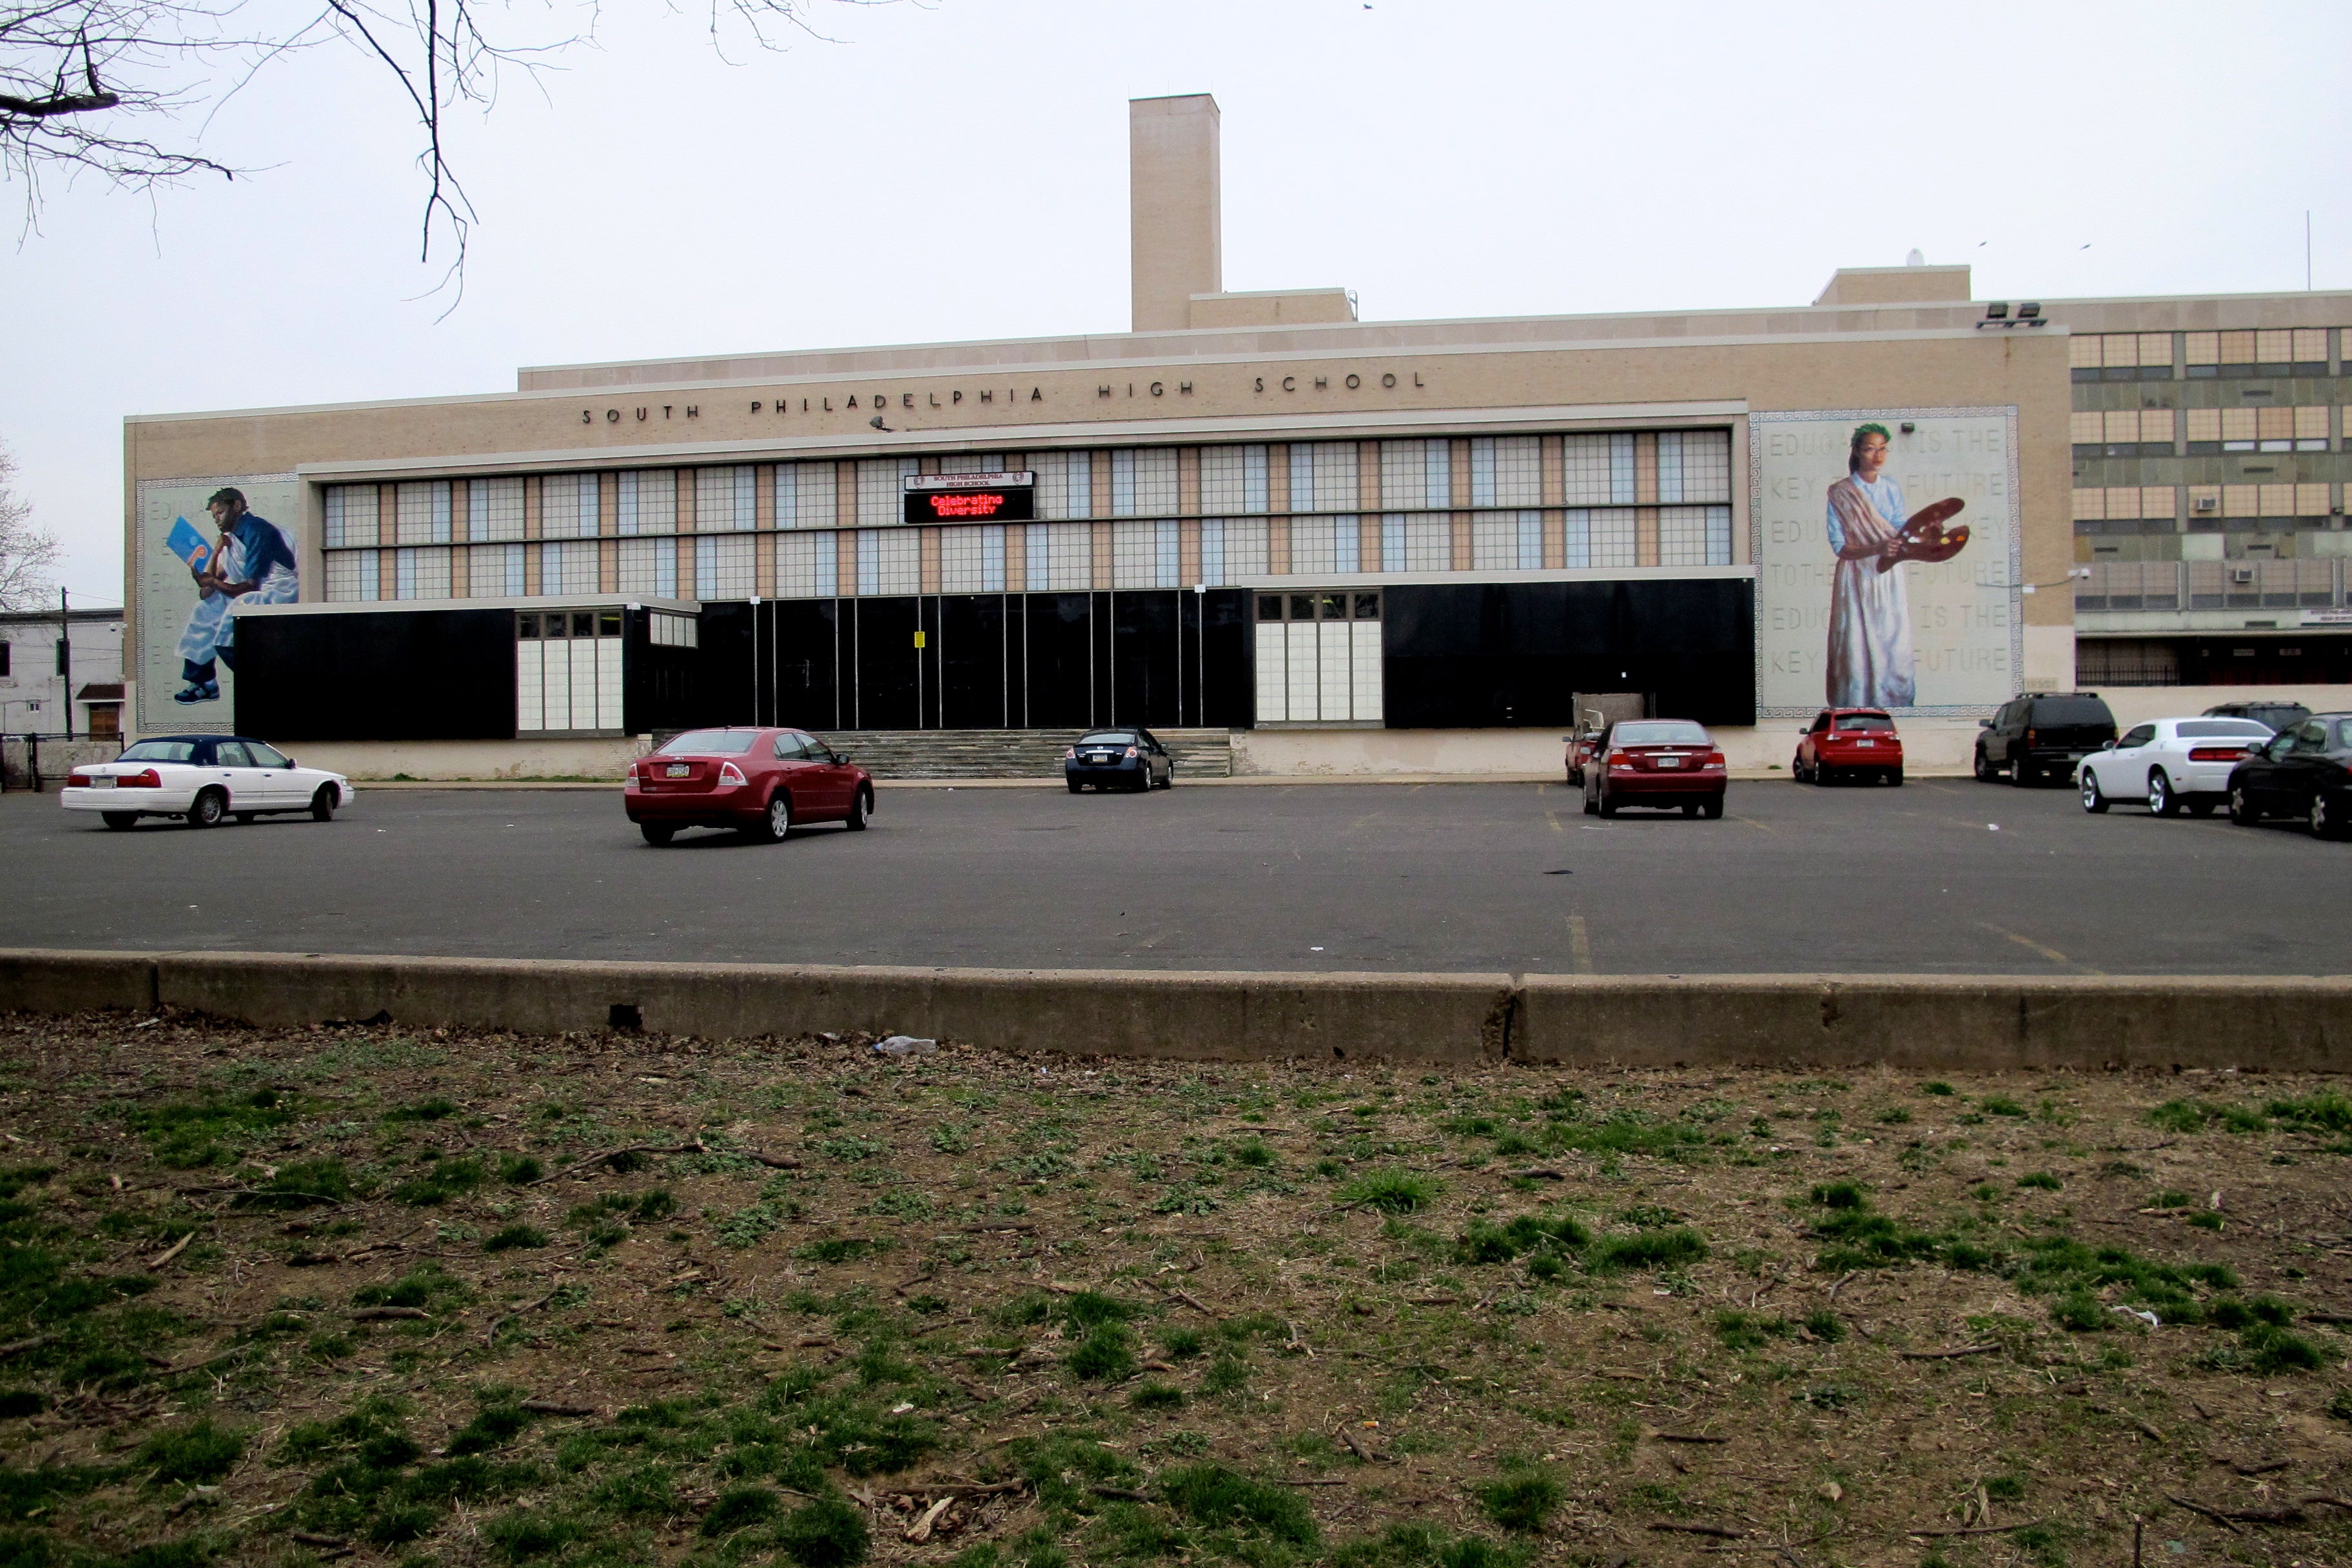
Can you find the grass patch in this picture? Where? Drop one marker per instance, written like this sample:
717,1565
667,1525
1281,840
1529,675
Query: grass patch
1391,1191
1522,1502
1210,1494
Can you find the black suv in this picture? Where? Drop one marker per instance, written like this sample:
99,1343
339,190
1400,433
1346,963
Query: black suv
2042,732
2278,715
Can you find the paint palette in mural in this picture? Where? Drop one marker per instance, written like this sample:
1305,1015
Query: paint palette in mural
1925,537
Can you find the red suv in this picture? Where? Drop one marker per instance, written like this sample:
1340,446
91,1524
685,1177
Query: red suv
1849,742
1655,761
762,781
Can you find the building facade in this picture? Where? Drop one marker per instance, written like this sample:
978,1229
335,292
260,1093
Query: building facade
1358,546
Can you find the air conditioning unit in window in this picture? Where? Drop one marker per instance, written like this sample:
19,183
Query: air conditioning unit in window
2206,504
2242,574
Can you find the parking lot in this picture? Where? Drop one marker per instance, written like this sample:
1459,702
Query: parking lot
1941,876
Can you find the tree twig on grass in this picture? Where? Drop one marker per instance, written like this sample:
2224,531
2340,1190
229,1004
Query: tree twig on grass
577,1167
556,1407
491,1337
1677,1527
1954,1354
1974,1530
174,1250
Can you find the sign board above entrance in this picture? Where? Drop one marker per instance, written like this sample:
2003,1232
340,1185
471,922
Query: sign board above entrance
971,498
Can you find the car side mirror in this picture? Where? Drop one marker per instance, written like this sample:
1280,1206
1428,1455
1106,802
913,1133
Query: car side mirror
291,764
1984,723
2107,745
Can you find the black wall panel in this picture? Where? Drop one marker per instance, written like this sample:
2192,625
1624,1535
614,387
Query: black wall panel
1146,662
805,638
971,648
889,688
726,693
1227,685
1060,687
394,675
1489,655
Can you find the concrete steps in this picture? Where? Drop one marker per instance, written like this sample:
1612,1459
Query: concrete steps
1010,753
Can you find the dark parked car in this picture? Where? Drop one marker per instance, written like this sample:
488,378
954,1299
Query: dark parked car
759,781
2041,734
1131,759
1849,743
2277,715
2305,771
1663,762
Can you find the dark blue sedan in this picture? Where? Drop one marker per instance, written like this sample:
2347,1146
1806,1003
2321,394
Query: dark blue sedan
1128,759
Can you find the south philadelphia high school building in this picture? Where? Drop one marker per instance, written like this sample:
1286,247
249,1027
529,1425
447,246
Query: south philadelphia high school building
1341,546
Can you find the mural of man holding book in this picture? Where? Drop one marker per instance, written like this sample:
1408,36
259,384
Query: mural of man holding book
251,557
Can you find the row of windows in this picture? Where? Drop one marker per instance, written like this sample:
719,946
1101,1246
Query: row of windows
2149,356
1054,557
2290,429
1670,468
2167,501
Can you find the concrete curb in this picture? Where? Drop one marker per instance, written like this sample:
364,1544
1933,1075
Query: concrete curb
1985,1023
1253,781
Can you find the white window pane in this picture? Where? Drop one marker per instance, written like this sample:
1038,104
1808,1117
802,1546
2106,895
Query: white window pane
881,492
807,565
889,561
1613,537
1621,468
1706,464
648,502
1578,527
567,569
1232,480
1315,546
421,513
971,560
568,506
724,500
494,508
1682,535
649,566
1060,557
1586,466
494,571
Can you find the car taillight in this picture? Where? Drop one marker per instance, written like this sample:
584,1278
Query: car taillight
729,774
1131,751
1620,759
150,779
1714,760
2216,754
77,781
2032,737
1069,753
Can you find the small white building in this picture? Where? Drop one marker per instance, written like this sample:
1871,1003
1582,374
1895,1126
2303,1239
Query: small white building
61,676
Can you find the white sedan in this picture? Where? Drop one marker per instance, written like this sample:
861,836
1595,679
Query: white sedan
2170,763
202,779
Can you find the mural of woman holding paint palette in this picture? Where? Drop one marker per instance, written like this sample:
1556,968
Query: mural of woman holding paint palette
1871,663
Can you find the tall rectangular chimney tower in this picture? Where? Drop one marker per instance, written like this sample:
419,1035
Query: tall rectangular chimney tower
1176,236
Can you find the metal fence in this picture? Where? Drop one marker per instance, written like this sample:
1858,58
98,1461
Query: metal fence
2299,584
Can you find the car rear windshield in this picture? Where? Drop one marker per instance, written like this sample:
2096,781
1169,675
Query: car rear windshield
2280,717
1660,732
2209,729
1872,723
711,743
1108,738
2050,712
161,751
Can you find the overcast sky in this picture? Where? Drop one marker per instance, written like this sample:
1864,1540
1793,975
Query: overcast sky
958,170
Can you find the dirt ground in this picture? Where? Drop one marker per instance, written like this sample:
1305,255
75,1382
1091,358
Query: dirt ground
381,1295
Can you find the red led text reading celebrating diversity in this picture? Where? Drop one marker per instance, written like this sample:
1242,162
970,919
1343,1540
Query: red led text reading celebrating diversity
966,504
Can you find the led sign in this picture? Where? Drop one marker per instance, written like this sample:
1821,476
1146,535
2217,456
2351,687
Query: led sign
971,498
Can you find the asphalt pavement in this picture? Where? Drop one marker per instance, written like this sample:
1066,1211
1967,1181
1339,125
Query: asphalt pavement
1938,877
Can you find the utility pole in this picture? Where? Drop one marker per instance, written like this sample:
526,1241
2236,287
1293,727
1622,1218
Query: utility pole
64,657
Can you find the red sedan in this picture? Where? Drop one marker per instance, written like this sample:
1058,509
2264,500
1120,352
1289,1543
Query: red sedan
762,781
1849,742
1663,762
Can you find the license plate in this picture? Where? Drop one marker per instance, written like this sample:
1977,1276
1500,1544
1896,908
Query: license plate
101,781
1669,762
677,770
1866,742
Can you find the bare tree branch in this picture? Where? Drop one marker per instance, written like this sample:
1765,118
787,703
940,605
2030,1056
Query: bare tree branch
81,80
